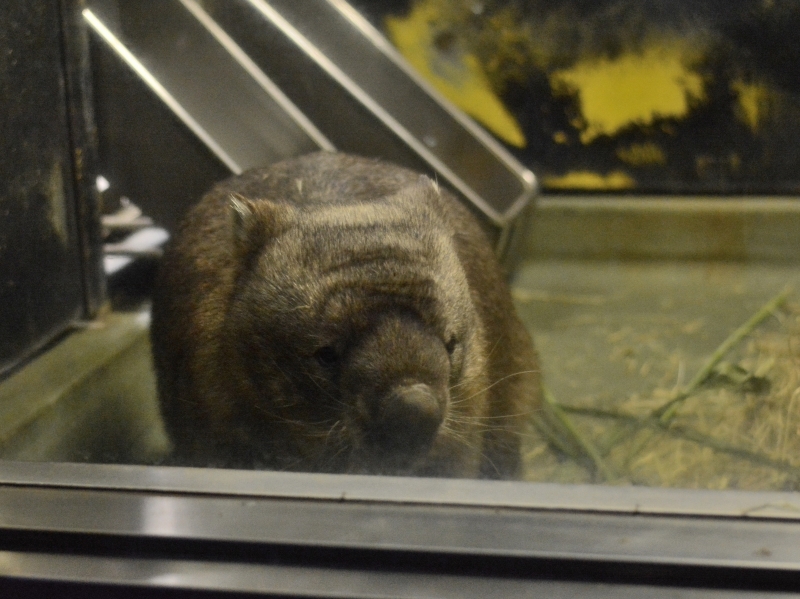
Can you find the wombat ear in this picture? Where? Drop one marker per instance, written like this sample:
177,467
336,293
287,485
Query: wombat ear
432,190
428,182
253,222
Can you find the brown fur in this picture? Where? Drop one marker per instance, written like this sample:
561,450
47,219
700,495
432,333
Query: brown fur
333,313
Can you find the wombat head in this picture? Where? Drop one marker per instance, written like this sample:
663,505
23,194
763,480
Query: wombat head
353,323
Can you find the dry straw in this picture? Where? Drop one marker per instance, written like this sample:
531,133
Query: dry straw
734,426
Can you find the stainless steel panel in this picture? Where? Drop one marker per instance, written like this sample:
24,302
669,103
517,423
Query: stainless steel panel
410,529
399,490
206,80
379,536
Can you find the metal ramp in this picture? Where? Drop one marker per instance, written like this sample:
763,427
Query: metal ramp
257,81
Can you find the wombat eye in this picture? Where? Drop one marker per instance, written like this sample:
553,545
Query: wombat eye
450,346
327,356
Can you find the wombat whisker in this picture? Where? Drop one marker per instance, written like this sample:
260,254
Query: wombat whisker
466,381
333,428
331,458
298,423
480,426
456,393
189,402
471,446
497,382
494,348
330,396
342,448
320,423
523,414
315,379
488,422
295,308
454,388
277,367
494,466
261,408
292,464
458,437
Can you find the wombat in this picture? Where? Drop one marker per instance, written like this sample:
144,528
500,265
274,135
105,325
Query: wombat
333,313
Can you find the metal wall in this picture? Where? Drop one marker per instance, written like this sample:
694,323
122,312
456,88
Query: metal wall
48,263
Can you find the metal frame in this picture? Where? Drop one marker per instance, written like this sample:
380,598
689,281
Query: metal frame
333,535
83,141
639,227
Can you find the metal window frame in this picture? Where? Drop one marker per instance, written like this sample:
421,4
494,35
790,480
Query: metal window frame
147,528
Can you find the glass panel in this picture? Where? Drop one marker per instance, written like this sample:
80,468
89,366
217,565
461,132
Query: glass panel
665,327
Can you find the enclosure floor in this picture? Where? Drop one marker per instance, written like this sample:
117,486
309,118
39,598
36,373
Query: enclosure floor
608,332
610,329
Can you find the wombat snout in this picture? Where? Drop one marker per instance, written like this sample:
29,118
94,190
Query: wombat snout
406,420
397,379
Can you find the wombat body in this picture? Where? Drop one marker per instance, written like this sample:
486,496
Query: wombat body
338,314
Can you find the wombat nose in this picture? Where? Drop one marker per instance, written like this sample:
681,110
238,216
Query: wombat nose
407,419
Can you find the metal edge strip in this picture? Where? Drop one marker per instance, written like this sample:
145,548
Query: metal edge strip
258,75
122,51
674,204
145,574
399,490
83,518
